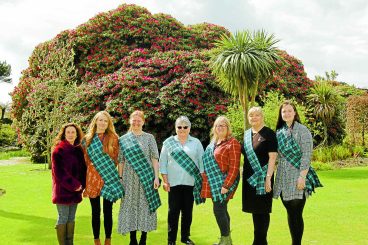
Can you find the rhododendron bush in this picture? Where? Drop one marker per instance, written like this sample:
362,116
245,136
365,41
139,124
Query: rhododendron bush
127,59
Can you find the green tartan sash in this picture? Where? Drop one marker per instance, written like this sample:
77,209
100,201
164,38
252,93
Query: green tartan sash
293,154
184,161
138,161
112,189
215,176
257,180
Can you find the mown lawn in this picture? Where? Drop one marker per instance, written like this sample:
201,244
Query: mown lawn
336,214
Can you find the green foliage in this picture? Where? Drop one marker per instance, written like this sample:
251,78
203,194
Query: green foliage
322,166
359,151
332,153
325,105
10,154
235,114
242,61
7,135
5,71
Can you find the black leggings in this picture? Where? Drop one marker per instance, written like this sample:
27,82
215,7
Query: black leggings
222,217
294,210
261,223
96,212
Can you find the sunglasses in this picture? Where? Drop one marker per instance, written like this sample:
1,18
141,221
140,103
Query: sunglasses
184,127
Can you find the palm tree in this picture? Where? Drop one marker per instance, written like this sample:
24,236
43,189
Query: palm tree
324,102
242,61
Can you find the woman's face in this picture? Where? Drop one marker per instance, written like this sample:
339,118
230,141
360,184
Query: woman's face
182,130
102,123
221,129
136,123
70,134
255,119
287,113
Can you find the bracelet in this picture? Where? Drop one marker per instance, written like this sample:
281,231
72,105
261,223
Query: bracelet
301,176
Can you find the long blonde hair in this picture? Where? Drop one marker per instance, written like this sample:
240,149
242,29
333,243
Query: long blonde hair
214,135
109,132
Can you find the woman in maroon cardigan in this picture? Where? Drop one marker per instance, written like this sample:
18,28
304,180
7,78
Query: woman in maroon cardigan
68,179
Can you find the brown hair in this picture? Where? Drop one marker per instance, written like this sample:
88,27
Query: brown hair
109,132
280,122
61,135
220,119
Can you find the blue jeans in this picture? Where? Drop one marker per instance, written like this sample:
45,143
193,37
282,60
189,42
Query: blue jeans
66,213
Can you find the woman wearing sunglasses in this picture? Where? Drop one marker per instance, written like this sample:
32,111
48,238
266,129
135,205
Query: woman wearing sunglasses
181,167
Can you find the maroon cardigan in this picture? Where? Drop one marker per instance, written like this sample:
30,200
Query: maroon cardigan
68,173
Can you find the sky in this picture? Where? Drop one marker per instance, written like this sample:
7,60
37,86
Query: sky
324,34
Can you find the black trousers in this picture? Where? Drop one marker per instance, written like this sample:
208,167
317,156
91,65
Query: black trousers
222,217
180,201
294,210
261,223
96,212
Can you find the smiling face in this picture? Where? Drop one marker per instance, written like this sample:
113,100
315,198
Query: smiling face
70,134
136,123
182,130
288,114
221,129
102,123
255,119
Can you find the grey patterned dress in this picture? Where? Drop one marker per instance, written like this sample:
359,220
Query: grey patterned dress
134,211
287,175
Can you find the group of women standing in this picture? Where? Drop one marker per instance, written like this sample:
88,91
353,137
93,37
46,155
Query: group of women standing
128,167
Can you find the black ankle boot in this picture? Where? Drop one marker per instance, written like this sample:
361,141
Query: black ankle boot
133,238
143,239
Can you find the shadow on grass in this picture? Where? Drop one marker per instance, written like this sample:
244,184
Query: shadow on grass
352,173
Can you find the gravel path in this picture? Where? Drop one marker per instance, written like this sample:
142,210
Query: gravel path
14,160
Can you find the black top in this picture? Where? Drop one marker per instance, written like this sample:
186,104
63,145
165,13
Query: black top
263,142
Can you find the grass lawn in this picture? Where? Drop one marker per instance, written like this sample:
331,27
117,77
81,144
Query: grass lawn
336,214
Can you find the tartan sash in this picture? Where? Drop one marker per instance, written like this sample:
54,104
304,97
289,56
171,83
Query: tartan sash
290,149
138,161
112,189
215,176
184,161
257,180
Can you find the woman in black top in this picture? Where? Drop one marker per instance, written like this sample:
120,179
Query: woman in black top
260,153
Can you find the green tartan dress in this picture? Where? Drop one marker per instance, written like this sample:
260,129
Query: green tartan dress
134,211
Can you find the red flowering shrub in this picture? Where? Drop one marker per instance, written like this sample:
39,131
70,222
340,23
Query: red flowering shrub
127,59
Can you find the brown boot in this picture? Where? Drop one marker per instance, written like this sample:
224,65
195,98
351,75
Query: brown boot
108,241
61,233
70,233
97,241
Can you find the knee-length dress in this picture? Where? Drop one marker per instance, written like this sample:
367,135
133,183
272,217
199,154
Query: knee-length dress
263,142
134,210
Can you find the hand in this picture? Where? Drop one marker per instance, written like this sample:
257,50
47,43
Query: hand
79,188
301,183
268,184
224,190
166,187
156,183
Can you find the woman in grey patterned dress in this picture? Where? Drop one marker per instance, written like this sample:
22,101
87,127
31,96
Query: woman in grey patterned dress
134,212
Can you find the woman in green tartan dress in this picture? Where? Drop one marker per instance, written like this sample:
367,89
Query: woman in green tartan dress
134,212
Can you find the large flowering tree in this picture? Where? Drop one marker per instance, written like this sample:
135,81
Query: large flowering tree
118,61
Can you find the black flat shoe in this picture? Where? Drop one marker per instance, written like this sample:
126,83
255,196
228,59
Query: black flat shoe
187,241
171,243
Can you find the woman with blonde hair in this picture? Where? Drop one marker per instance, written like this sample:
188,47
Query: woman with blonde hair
101,153
221,162
68,179
139,171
